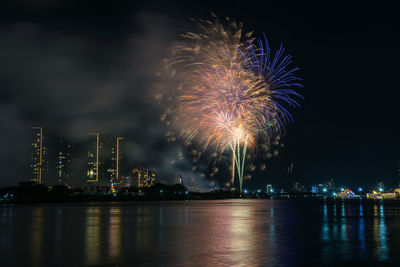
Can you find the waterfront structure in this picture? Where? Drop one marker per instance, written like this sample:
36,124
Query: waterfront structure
297,187
388,195
318,189
143,177
347,193
63,161
39,164
269,188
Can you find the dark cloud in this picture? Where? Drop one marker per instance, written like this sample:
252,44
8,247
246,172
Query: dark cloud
72,84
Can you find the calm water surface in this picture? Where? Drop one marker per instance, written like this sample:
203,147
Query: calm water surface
202,233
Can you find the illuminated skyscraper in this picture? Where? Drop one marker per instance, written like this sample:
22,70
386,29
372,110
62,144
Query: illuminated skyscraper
39,162
118,157
114,166
63,161
93,159
112,169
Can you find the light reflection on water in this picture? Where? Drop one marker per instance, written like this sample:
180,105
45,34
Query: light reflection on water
227,232
361,234
92,234
345,244
380,233
37,236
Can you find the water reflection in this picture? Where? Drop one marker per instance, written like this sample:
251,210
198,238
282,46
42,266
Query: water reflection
115,232
37,236
7,216
272,230
325,225
361,232
240,240
209,233
344,248
380,234
92,235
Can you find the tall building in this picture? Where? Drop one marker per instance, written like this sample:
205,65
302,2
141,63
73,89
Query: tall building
114,167
39,163
94,164
63,161
143,177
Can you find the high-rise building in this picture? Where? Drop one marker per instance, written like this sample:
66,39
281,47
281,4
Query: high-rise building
63,161
114,166
39,163
94,164
143,177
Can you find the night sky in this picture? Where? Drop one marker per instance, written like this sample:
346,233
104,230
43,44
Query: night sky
78,67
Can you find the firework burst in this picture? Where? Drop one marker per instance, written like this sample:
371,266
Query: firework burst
235,92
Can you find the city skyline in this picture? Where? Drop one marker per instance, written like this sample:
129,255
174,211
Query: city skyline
103,166
141,177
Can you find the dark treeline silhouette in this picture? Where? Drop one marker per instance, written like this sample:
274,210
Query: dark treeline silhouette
31,192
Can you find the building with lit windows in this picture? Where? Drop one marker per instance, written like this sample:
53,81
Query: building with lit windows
39,163
63,161
143,177
94,173
113,169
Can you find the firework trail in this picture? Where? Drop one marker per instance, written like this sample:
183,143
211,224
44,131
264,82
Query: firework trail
235,92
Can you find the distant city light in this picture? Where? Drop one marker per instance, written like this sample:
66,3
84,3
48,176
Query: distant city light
324,189
245,191
334,194
360,189
342,189
272,190
380,189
